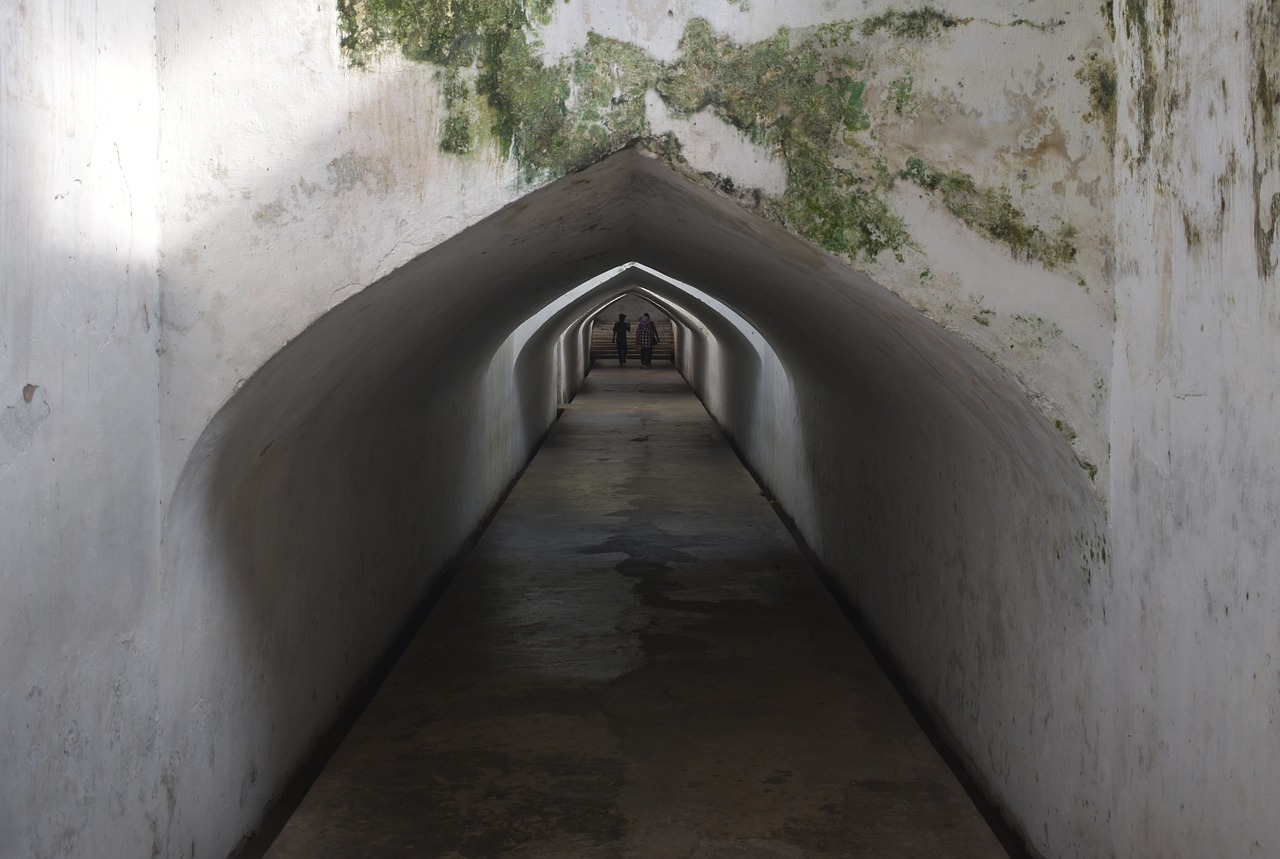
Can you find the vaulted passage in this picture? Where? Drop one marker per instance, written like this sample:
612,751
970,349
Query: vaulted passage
331,493
636,660
986,296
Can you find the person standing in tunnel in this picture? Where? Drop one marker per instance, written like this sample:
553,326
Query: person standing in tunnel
621,329
646,339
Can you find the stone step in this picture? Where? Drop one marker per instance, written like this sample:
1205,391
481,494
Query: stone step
603,348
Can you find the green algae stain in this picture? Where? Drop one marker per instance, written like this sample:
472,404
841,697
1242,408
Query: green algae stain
488,37
900,90
781,95
799,94
806,104
527,99
1099,75
456,136
443,32
923,23
1089,468
991,212
609,80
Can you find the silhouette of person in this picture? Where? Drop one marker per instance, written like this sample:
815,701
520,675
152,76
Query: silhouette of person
646,339
621,329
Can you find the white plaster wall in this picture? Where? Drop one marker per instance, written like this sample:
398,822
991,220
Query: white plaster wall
290,182
1193,745
79,514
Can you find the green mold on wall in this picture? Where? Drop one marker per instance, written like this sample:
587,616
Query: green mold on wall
900,90
790,93
1035,333
1089,468
442,32
798,93
923,23
1264,27
991,212
801,100
1099,75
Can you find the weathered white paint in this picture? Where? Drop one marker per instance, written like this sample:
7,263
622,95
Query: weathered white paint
1000,101
289,183
79,518
1192,749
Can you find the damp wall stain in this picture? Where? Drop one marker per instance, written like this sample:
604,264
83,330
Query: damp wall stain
21,422
1264,26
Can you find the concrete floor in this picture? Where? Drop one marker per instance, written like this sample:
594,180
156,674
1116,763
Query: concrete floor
637,661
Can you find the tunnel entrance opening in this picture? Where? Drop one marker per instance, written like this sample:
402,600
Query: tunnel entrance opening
333,492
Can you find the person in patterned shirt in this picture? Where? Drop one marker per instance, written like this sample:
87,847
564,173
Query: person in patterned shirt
646,339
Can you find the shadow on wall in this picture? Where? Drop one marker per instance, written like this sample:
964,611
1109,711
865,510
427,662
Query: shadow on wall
327,496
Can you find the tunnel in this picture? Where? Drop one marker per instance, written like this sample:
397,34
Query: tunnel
326,502
986,297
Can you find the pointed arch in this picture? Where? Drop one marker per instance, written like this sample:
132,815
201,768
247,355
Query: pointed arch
329,495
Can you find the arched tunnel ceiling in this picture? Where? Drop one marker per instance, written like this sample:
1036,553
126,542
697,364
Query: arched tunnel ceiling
334,488
889,408
460,300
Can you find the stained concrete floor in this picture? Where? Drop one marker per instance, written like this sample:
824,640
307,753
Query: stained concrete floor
636,661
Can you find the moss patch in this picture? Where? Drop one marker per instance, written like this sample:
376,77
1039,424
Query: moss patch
443,32
804,102
923,23
1099,76
991,212
798,94
900,90
795,95
1089,468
